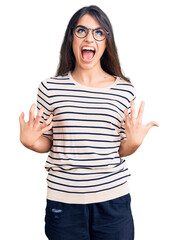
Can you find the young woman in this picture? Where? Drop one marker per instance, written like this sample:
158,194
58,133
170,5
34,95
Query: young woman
86,120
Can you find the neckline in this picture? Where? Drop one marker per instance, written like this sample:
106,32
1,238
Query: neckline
93,88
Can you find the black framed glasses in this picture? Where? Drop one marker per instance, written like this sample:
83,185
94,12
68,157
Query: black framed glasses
99,34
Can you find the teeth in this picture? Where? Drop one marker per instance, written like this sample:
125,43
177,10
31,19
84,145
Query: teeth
88,48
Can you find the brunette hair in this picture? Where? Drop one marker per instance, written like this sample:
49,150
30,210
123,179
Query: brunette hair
109,61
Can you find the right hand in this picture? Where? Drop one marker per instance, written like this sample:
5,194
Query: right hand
32,130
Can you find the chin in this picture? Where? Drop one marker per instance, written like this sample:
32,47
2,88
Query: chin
89,66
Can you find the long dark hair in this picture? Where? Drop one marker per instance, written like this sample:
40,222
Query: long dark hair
109,61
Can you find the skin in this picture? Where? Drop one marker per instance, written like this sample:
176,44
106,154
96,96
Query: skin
89,74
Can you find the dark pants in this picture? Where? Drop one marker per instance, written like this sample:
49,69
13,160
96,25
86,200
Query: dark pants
109,220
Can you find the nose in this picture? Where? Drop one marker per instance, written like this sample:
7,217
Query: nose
89,37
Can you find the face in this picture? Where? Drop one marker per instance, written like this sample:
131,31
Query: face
87,59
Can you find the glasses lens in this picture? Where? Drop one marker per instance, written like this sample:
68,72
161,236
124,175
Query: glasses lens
99,34
80,32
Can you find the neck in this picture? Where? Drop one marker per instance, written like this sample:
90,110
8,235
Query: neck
88,76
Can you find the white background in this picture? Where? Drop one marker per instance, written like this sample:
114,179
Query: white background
146,37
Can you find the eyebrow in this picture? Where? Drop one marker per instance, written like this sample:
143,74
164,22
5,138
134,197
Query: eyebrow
89,28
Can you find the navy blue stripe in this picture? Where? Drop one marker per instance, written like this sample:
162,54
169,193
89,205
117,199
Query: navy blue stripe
84,113
80,97
122,132
83,91
122,138
113,129
97,108
88,180
125,84
88,186
56,78
75,96
64,146
90,191
123,90
87,153
73,166
80,174
42,91
83,159
59,83
87,120
89,91
91,140
43,107
88,133
75,173
49,135
38,95
85,102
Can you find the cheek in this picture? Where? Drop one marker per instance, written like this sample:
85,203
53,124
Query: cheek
102,49
76,47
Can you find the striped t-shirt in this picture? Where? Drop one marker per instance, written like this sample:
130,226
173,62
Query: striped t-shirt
83,164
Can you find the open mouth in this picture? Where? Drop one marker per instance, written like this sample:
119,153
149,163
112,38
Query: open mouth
88,54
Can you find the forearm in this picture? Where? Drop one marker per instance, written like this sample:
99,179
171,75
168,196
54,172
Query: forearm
42,145
127,148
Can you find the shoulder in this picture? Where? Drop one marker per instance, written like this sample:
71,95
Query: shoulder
127,87
46,83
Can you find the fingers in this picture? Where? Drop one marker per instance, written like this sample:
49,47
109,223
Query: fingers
126,115
132,112
47,125
151,124
31,113
140,112
38,116
48,121
132,105
21,119
47,128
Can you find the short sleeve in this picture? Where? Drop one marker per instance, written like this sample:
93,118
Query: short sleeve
43,100
131,98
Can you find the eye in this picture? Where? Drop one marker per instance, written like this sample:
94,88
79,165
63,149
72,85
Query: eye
81,30
99,32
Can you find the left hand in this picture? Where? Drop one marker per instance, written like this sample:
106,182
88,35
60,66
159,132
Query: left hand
134,129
